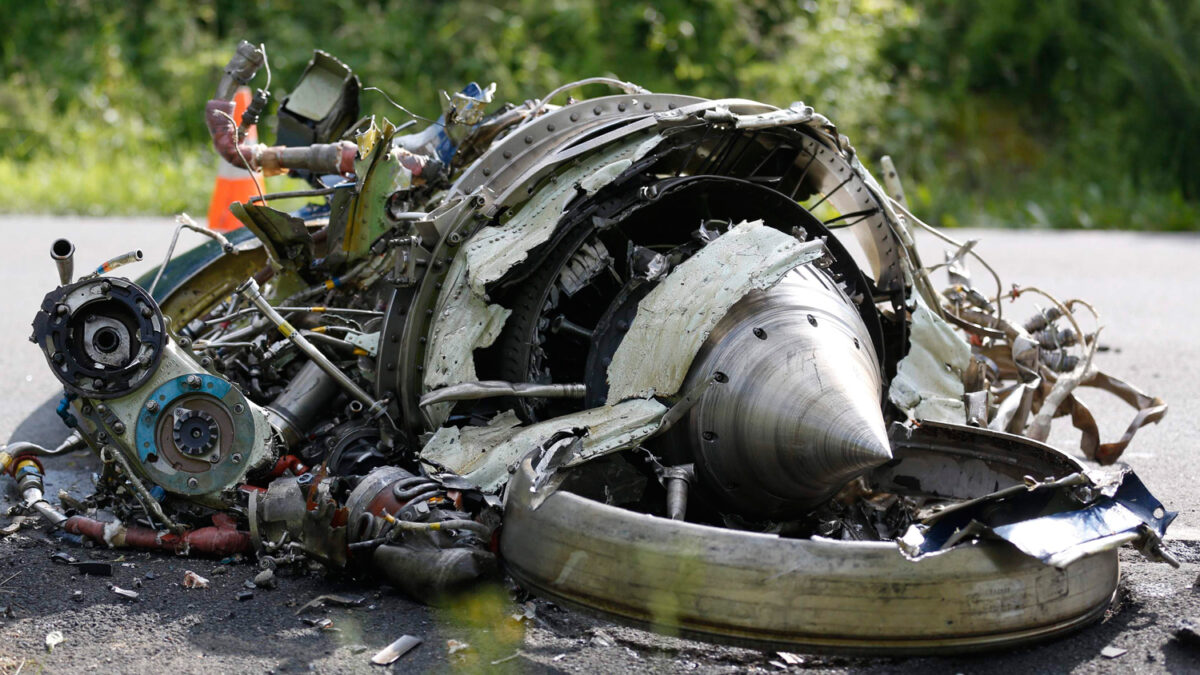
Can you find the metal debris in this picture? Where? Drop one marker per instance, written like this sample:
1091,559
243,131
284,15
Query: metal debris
389,654
193,580
125,594
1111,652
95,568
321,601
665,330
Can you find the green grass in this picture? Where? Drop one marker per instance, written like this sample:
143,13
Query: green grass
152,182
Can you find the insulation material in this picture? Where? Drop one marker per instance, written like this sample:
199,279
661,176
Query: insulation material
483,454
929,381
494,250
675,318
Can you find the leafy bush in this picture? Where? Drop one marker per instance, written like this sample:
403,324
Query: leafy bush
1065,113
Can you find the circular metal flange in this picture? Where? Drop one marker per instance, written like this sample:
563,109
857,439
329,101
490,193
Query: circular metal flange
181,462
103,337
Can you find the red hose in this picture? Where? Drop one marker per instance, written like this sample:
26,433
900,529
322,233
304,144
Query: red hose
221,539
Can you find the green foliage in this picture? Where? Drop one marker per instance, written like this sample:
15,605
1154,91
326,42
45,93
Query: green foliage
1064,113
1068,113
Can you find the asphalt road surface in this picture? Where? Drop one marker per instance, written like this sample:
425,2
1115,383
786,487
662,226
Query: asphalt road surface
1144,285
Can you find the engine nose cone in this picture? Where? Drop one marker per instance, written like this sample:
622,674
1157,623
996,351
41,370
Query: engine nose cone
796,410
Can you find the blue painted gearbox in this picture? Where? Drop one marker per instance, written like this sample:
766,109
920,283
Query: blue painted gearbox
183,470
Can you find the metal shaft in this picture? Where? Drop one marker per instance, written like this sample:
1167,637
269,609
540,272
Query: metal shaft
250,290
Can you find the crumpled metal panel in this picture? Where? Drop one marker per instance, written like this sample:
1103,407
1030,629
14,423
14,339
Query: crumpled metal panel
483,455
674,320
928,383
463,323
494,250
1041,522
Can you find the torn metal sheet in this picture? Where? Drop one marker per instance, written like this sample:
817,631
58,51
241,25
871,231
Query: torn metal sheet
483,455
463,323
494,250
929,381
674,320
1057,522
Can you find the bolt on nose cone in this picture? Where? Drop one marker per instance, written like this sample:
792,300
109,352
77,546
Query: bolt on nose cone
799,413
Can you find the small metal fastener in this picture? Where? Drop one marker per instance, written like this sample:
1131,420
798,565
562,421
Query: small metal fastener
528,140
812,319
184,342
101,409
709,436
205,362
760,334
193,381
152,406
119,427
98,383
105,287
238,408
102,437
720,377
62,310
574,117
146,311
193,483
236,458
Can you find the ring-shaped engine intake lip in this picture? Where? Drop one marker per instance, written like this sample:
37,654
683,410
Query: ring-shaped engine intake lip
55,334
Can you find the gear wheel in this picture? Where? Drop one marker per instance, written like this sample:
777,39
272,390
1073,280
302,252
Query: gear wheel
194,432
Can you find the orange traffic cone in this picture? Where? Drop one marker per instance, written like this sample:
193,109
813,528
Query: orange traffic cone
234,184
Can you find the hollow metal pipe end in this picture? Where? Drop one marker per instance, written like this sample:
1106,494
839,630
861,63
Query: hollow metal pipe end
62,251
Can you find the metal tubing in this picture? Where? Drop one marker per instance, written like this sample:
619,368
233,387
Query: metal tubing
63,253
471,391
251,291
35,499
677,479
185,220
113,263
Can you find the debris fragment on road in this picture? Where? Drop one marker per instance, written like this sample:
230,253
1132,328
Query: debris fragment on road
53,639
391,653
193,580
124,593
265,579
613,342
321,601
1111,652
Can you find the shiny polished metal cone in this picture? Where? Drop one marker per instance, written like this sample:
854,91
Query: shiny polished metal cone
795,411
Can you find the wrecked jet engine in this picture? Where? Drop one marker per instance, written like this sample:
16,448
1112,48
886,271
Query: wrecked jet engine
684,349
